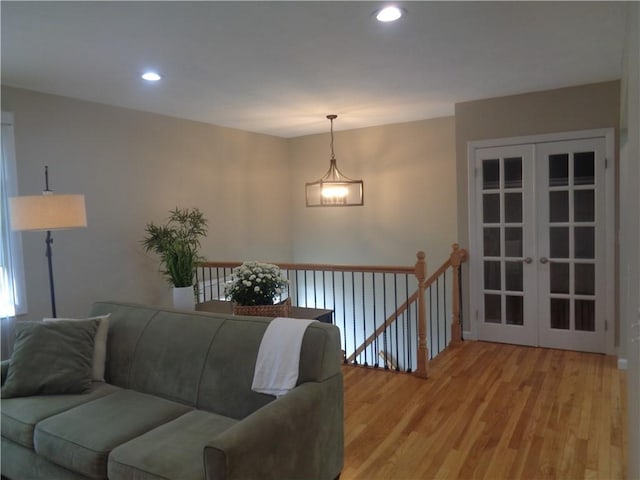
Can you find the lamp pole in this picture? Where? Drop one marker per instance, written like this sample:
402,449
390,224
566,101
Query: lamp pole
49,250
49,254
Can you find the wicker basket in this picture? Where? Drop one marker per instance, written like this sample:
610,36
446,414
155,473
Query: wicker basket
282,309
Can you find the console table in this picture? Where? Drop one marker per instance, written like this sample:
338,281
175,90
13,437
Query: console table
221,306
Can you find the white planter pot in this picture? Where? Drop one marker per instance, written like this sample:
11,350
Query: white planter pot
184,298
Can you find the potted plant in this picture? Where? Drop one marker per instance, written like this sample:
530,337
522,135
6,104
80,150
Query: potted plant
254,289
177,243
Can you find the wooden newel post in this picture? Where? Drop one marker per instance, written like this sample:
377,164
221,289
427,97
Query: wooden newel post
423,351
458,256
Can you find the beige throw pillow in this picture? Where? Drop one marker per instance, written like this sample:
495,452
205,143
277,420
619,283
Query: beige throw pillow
99,345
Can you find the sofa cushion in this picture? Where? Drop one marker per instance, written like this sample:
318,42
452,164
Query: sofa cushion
99,343
126,324
20,415
19,462
238,341
51,358
173,450
80,439
172,369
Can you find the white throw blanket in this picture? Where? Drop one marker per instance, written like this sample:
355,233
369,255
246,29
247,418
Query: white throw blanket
279,356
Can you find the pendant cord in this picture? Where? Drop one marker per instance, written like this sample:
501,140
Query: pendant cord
331,118
332,154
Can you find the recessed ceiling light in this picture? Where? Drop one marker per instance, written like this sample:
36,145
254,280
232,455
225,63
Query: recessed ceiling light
389,14
151,76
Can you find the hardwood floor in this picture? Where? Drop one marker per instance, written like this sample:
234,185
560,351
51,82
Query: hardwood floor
488,411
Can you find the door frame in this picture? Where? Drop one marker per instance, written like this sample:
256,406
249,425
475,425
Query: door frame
475,266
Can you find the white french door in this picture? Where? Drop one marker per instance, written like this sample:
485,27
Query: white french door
571,245
506,233
539,241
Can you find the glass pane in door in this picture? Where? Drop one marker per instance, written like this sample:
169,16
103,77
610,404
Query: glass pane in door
585,275
515,310
585,315
513,276
513,241
559,242
583,168
491,241
558,170
492,275
584,205
490,174
513,172
559,206
559,277
493,309
513,207
585,238
560,313
491,208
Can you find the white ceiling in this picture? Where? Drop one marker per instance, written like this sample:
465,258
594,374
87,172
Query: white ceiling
280,67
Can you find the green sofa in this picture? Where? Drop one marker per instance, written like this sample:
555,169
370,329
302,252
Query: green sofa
177,404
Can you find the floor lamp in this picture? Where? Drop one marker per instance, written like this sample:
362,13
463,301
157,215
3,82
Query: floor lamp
47,212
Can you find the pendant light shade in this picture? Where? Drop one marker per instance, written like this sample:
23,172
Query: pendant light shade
334,189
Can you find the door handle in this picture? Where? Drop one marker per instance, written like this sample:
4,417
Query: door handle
527,260
544,260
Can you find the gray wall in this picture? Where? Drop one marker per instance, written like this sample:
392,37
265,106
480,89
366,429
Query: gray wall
630,232
409,189
133,168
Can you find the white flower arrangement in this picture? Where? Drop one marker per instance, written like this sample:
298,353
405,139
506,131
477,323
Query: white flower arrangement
255,283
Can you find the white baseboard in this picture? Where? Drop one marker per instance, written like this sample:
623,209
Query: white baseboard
622,363
467,335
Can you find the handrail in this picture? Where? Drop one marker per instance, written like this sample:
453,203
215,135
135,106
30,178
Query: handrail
319,267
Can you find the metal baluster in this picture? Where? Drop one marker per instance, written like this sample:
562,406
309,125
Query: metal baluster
295,282
395,296
315,290
446,317
198,282
204,288
335,316
407,323
384,309
376,348
438,315
353,309
431,317
364,320
460,298
324,290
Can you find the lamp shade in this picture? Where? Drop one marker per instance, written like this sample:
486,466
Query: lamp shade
47,212
334,190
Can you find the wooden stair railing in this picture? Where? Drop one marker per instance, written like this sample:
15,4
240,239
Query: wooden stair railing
419,270
454,261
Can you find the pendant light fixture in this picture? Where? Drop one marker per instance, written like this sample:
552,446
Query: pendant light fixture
334,189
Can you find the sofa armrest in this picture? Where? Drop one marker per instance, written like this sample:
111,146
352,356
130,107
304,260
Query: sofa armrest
299,435
5,369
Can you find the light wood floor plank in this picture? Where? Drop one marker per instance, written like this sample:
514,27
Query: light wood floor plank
488,411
